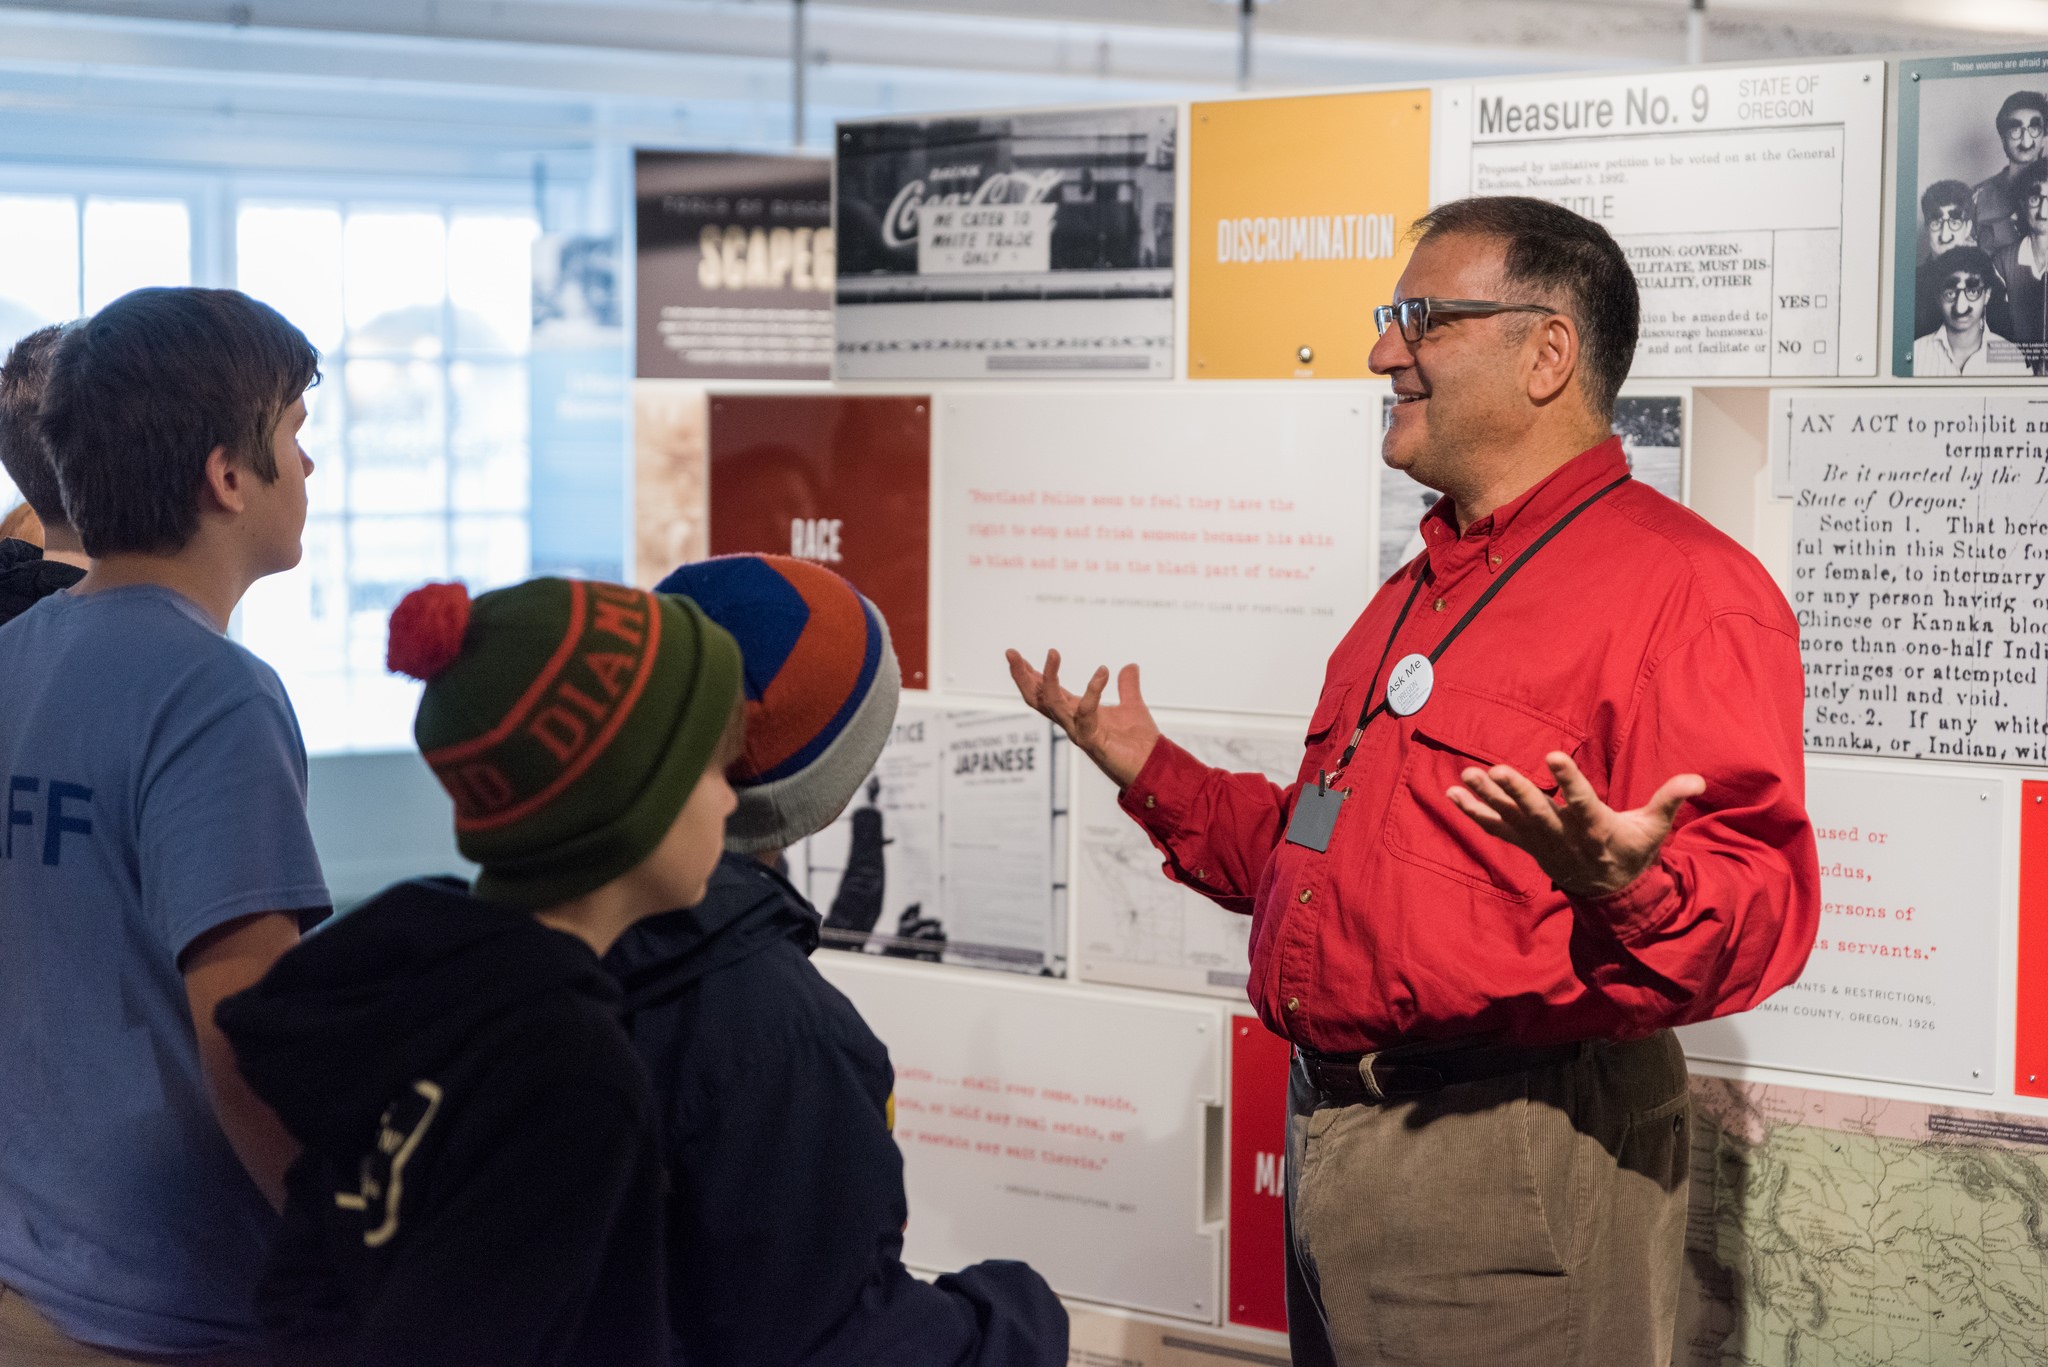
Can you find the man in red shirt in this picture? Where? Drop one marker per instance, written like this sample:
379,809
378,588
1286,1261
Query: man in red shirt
1552,804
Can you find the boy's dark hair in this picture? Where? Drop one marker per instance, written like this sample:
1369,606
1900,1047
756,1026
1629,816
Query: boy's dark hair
141,393
1943,194
1555,251
2015,102
22,451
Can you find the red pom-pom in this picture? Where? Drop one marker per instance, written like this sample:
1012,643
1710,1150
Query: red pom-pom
426,630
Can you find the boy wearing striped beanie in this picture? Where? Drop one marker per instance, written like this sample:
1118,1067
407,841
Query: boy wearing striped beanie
786,1211
481,1179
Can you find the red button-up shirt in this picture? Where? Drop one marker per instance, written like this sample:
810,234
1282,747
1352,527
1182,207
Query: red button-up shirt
1640,641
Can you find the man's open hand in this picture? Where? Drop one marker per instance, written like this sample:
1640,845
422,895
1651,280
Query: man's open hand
1587,848
1119,737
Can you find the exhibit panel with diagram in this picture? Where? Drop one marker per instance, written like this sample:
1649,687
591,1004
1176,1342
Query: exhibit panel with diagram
1140,928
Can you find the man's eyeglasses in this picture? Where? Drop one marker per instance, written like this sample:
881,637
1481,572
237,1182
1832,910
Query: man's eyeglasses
1415,315
1973,293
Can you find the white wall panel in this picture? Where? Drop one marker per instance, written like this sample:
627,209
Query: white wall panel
1078,1131
1221,536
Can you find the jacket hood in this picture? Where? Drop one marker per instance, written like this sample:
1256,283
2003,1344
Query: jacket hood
26,577
746,908
385,994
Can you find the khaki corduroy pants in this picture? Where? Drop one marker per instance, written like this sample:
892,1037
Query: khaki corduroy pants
1535,1219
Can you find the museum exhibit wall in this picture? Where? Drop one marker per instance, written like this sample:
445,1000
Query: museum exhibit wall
1097,381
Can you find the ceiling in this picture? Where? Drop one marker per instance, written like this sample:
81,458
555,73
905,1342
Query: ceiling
286,83
1298,42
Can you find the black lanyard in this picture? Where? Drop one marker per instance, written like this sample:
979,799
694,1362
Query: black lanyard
1375,704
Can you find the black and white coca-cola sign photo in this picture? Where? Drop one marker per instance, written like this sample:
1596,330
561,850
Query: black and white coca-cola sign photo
1006,245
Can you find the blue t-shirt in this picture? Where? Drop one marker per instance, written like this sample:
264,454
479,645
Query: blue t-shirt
152,787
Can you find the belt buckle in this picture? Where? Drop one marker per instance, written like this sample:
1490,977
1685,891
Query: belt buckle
1365,1074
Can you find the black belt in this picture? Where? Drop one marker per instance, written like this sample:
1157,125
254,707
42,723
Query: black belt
1418,1069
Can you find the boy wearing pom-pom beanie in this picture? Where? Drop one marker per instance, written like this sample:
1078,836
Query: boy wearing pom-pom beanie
482,1179
786,1211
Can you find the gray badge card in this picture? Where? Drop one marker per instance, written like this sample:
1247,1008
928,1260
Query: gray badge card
1315,816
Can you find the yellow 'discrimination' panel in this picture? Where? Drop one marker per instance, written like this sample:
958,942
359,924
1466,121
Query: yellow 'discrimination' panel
1299,214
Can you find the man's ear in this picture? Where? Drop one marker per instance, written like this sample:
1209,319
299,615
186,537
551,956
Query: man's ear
227,484
1554,356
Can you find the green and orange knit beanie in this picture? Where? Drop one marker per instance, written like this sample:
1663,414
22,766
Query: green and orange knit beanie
569,720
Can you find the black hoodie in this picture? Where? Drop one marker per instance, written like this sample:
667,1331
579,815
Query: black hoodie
481,1181
787,1210
26,578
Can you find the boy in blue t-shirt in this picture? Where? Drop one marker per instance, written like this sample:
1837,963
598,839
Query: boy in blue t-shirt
154,853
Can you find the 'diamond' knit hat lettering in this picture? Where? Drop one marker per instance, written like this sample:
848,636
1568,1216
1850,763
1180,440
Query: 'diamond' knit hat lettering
569,721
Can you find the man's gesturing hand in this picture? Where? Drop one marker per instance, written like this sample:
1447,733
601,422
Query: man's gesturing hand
1119,738
1587,848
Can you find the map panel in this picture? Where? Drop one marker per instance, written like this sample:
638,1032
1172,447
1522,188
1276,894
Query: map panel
1137,926
1842,1231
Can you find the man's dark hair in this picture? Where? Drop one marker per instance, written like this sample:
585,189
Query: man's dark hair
22,451
1553,251
2015,102
1946,194
143,391
1958,260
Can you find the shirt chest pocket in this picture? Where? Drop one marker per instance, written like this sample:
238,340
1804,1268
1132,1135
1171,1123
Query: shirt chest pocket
1329,731
1456,731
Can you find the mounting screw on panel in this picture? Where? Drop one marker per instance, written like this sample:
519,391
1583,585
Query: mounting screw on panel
1306,354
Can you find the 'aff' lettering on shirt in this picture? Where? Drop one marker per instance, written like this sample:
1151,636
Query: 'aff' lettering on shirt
57,811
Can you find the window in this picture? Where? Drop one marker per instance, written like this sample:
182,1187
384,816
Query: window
66,254
417,431
420,305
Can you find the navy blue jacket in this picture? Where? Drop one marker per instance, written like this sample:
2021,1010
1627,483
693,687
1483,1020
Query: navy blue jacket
786,1209
26,578
481,1181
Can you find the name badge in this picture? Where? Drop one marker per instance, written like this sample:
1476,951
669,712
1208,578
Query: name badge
1315,816
1408,687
